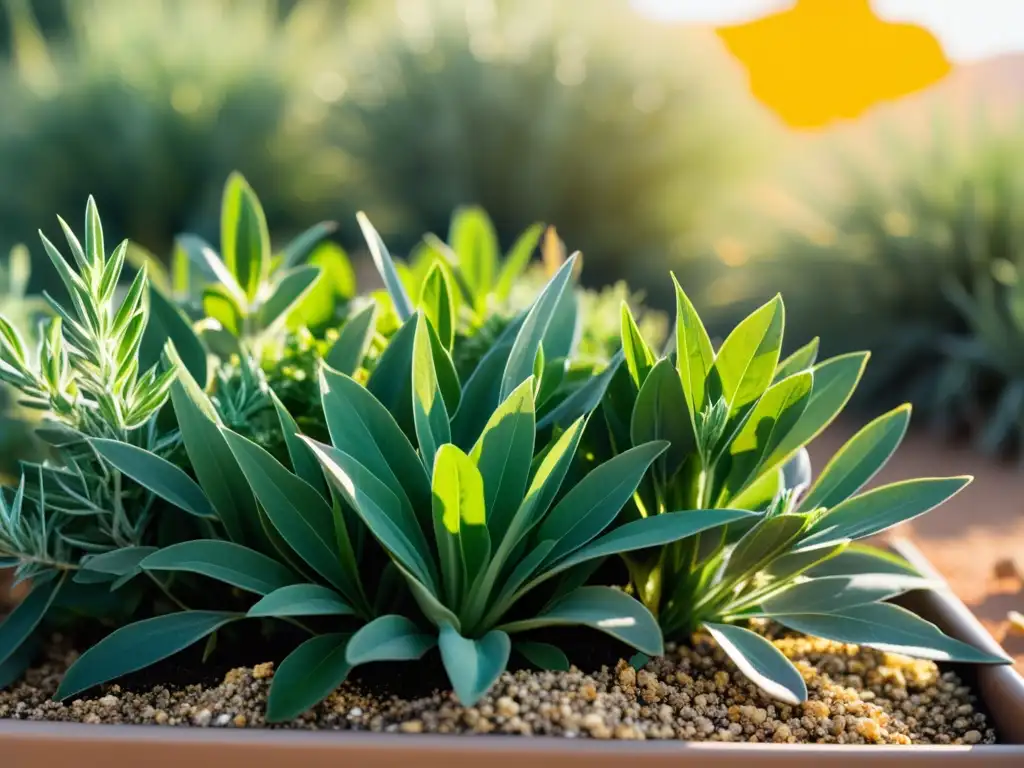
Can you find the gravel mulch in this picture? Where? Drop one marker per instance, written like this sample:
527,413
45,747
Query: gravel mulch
856,696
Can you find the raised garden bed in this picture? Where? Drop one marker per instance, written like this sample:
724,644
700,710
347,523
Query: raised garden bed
1000,688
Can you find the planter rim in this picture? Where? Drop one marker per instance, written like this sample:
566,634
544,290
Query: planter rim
25,743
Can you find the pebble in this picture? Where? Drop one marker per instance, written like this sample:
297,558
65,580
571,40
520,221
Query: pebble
855,696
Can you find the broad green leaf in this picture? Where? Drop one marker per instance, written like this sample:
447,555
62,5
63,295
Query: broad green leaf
542,655
480,396
139,645
769,538
301,600
219,305
889,628
830,594
517,259
213,462
474,241
503,454
447,376
746,363
23,620
167,322
301,515
639,357
307,676
94,250
519,366
584,399
834,382
303,245
473,666
694,355
386,267
362,427
793,564
659,414
380,510
389,638
646,532
244,239
863,558
563,332
429,414
224,561
303,461
761,662
391,379
607,609
773,416
436,303
882,508
858,461
321,306
155,474
460,520
349,350
800,360
498,602
593,504
288,293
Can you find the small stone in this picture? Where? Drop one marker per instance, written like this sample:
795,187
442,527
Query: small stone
412,726
261,671
1006,568
782,733
202,718
160,717
222,720
109,701
972,737
869,729
240,721
506,707
816,709
355,712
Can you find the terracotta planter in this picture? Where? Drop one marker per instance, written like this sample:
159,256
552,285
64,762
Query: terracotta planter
24,744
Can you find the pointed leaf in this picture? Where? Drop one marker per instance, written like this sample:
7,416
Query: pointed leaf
761,662
474,241
584,399
389,638
307,676
594,503
245,241
889,628
746,363
528,340
436,302
428,410
167,322
303,461
386,267
349,351
155,474
768,539
460,520
139,645
302,246
859,558
18,662
603,608
288,293
503,454
224,561
858,461
301,600
882,508
517,260
300,514
473,666
830,594
659,414
639,357
800,360
694,354
391,379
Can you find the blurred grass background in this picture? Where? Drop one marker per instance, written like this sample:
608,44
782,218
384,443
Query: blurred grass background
891,221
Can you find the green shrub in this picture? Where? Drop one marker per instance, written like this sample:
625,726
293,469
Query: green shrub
150,105
880,234
432,510
622,133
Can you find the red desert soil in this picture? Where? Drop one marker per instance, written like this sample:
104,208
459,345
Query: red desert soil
966,537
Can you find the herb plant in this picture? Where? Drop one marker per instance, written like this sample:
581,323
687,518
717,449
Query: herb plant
738,421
